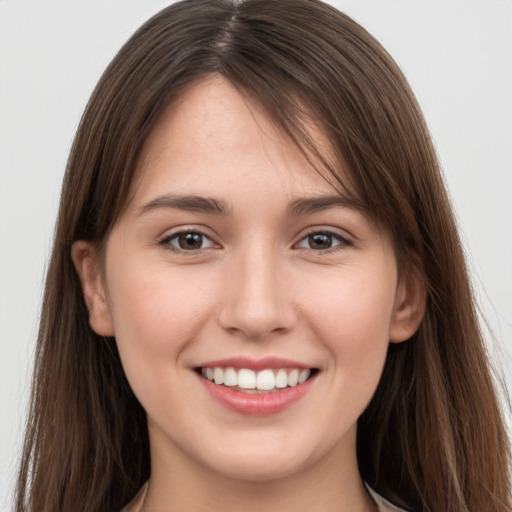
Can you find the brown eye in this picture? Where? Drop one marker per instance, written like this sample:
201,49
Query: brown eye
322,241
188,241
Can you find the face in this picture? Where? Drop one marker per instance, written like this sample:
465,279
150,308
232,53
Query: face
251,304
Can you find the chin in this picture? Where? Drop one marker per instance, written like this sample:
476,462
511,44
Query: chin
257,461
259,469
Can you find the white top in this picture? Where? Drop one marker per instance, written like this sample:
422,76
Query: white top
384,505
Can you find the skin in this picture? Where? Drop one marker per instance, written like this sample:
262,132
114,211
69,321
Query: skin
255,287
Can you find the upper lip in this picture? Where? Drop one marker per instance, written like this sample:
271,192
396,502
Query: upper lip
255,364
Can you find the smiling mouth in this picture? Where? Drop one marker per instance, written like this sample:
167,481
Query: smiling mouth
246,380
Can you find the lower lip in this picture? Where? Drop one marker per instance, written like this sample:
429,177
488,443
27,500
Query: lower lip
256,403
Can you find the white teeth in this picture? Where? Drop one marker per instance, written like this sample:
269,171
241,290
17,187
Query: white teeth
264,380
303,376
281,380
218,375
293,378
230,377
246,379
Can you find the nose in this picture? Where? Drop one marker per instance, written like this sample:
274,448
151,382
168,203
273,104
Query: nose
257,301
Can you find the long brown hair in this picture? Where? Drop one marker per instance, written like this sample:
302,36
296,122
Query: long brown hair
432,438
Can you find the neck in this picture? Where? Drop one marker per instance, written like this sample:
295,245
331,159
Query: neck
330,484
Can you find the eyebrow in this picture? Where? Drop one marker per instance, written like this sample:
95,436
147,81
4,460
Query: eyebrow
208,205
308,205
187,203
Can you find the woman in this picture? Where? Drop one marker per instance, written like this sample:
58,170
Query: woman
257,296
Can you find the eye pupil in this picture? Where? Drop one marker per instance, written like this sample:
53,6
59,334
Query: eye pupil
190,241
320,241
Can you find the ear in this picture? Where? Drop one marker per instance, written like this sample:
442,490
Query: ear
409,307
85,258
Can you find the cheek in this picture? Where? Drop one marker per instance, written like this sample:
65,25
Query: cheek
155,314
353,319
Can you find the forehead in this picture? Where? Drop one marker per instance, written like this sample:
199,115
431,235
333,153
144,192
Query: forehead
211,132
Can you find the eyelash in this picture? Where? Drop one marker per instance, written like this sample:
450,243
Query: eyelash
167,241
342,242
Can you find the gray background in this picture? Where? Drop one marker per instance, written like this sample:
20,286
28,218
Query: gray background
456,54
